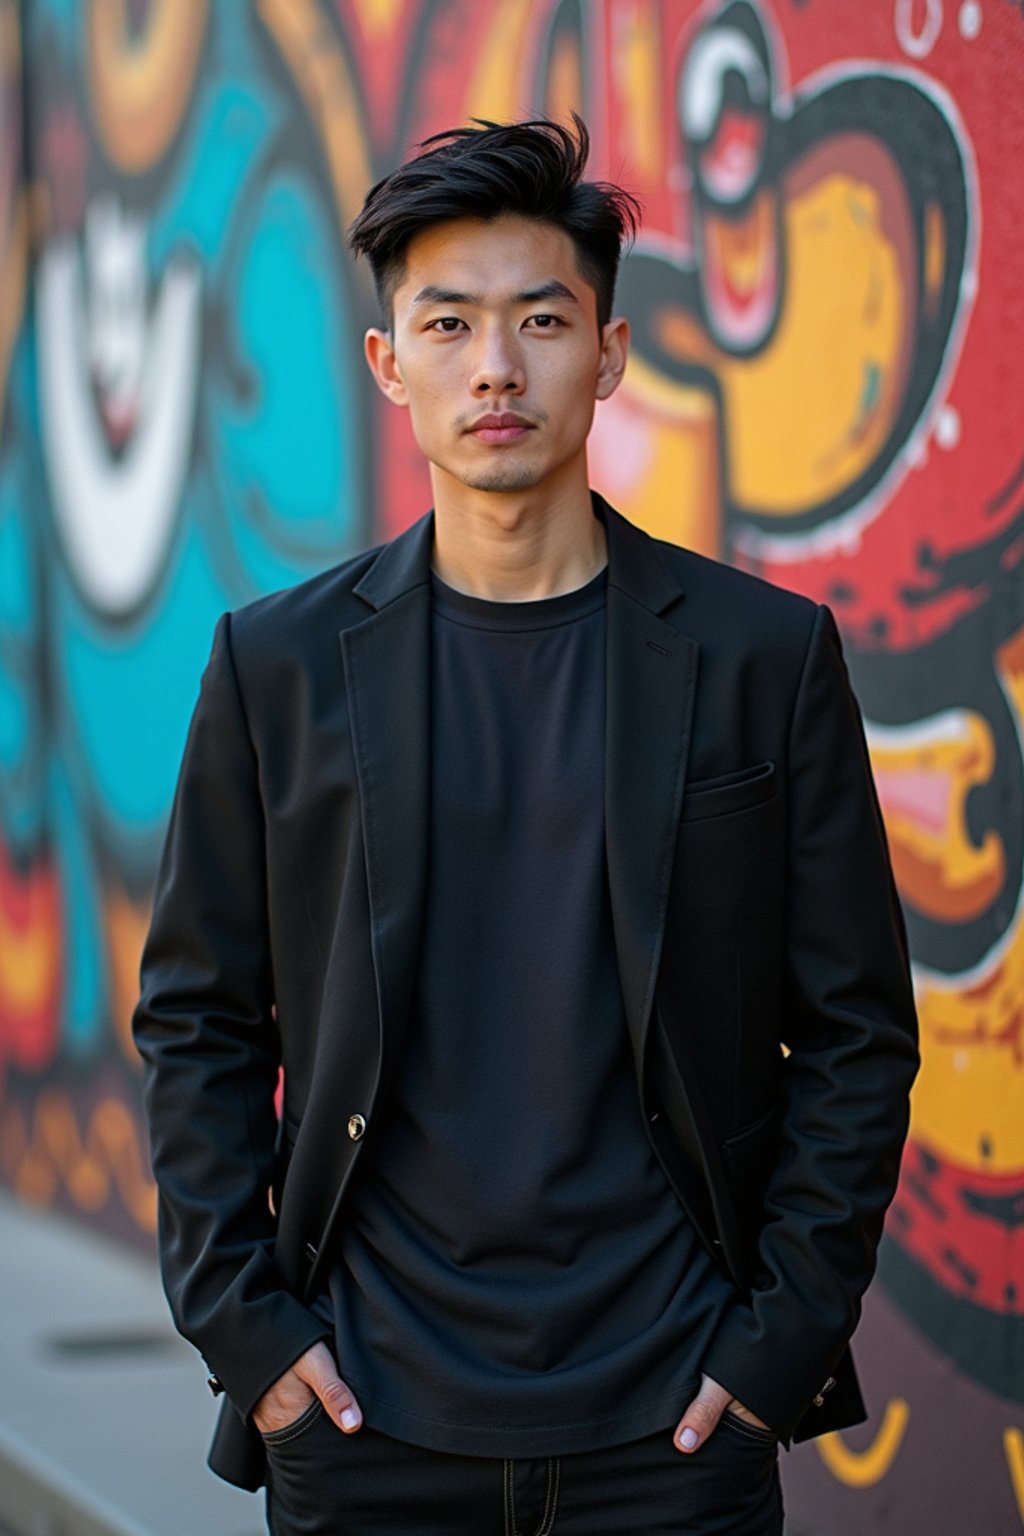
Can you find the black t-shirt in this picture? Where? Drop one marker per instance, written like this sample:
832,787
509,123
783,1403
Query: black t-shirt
515,1275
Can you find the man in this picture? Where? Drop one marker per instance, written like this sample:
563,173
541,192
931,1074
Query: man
545,858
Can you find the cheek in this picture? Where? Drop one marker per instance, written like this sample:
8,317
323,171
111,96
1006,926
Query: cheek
429,395
569,382
578,412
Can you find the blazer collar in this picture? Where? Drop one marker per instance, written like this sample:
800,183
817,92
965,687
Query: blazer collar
635,564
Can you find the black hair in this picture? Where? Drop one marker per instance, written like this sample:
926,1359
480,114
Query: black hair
532,170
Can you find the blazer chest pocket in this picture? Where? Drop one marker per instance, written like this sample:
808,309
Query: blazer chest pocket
729,792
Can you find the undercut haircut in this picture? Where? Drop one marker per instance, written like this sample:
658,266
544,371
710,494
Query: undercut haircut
529,170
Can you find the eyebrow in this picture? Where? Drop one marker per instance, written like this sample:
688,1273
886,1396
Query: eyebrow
552,290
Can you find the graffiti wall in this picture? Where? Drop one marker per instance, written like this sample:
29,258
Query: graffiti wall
828,316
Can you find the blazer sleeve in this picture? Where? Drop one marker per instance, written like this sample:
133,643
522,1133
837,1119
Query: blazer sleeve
206,1032
850,1029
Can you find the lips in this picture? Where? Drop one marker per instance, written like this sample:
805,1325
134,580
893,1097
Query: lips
503,427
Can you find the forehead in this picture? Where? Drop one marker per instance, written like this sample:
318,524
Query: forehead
493,258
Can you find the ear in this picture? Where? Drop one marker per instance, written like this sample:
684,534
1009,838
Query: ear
383,364
614,352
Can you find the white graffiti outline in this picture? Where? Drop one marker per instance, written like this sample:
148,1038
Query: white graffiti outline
115,518
918,44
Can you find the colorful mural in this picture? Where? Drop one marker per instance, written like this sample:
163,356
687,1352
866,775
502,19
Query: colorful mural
825,388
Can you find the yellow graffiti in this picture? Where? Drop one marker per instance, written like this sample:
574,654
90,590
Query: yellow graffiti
12,286
966,1105
934,256
1010,661
638,73
925,773
494,89
668,482
39,1158
968,1102
1013,1445
379,16
862,1469
564,86
30,941
13,261
141,87
810,412
125,924
743,248
318,65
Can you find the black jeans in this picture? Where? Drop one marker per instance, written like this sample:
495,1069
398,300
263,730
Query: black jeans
324,1483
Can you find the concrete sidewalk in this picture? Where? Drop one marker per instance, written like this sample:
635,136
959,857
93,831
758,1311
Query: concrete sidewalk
104,1411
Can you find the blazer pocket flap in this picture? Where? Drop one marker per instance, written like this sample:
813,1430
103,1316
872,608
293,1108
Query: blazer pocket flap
729,792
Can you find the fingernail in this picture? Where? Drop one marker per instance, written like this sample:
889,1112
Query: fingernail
349,1418
689,1438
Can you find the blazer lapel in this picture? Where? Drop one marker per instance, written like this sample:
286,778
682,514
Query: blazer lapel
651,684
387,675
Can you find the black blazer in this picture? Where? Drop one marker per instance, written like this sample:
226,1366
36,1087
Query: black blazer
760,945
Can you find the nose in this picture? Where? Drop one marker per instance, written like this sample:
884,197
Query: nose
498,368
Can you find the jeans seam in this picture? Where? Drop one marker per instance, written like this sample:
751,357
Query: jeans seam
547,1523
293,1431
752,1431
511,1528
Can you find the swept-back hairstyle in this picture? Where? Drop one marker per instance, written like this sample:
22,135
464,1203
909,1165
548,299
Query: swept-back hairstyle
532,169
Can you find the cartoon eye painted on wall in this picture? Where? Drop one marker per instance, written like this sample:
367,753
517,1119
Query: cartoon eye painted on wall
723,112
814,310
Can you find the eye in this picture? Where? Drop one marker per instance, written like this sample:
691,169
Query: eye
545,322
447,324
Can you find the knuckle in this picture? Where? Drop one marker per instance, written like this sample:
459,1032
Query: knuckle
335,1394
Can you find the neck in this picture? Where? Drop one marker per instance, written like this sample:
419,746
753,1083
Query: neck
516,546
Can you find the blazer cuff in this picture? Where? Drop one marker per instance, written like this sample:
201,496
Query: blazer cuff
778,1379
269,1343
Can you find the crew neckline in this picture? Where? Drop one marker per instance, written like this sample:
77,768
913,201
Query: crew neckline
534,613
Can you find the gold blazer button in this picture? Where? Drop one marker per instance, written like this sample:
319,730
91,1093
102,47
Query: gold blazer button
356,1126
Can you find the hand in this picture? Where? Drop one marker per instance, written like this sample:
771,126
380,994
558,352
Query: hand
314,1374
701,1418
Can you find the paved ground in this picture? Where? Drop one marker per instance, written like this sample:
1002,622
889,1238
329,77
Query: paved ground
104,1412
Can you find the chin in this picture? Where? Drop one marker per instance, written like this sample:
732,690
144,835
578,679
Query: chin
503,480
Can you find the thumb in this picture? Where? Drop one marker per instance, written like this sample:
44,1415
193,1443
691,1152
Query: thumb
702,1416
317,1369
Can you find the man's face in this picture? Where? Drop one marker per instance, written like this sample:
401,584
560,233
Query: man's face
496,351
